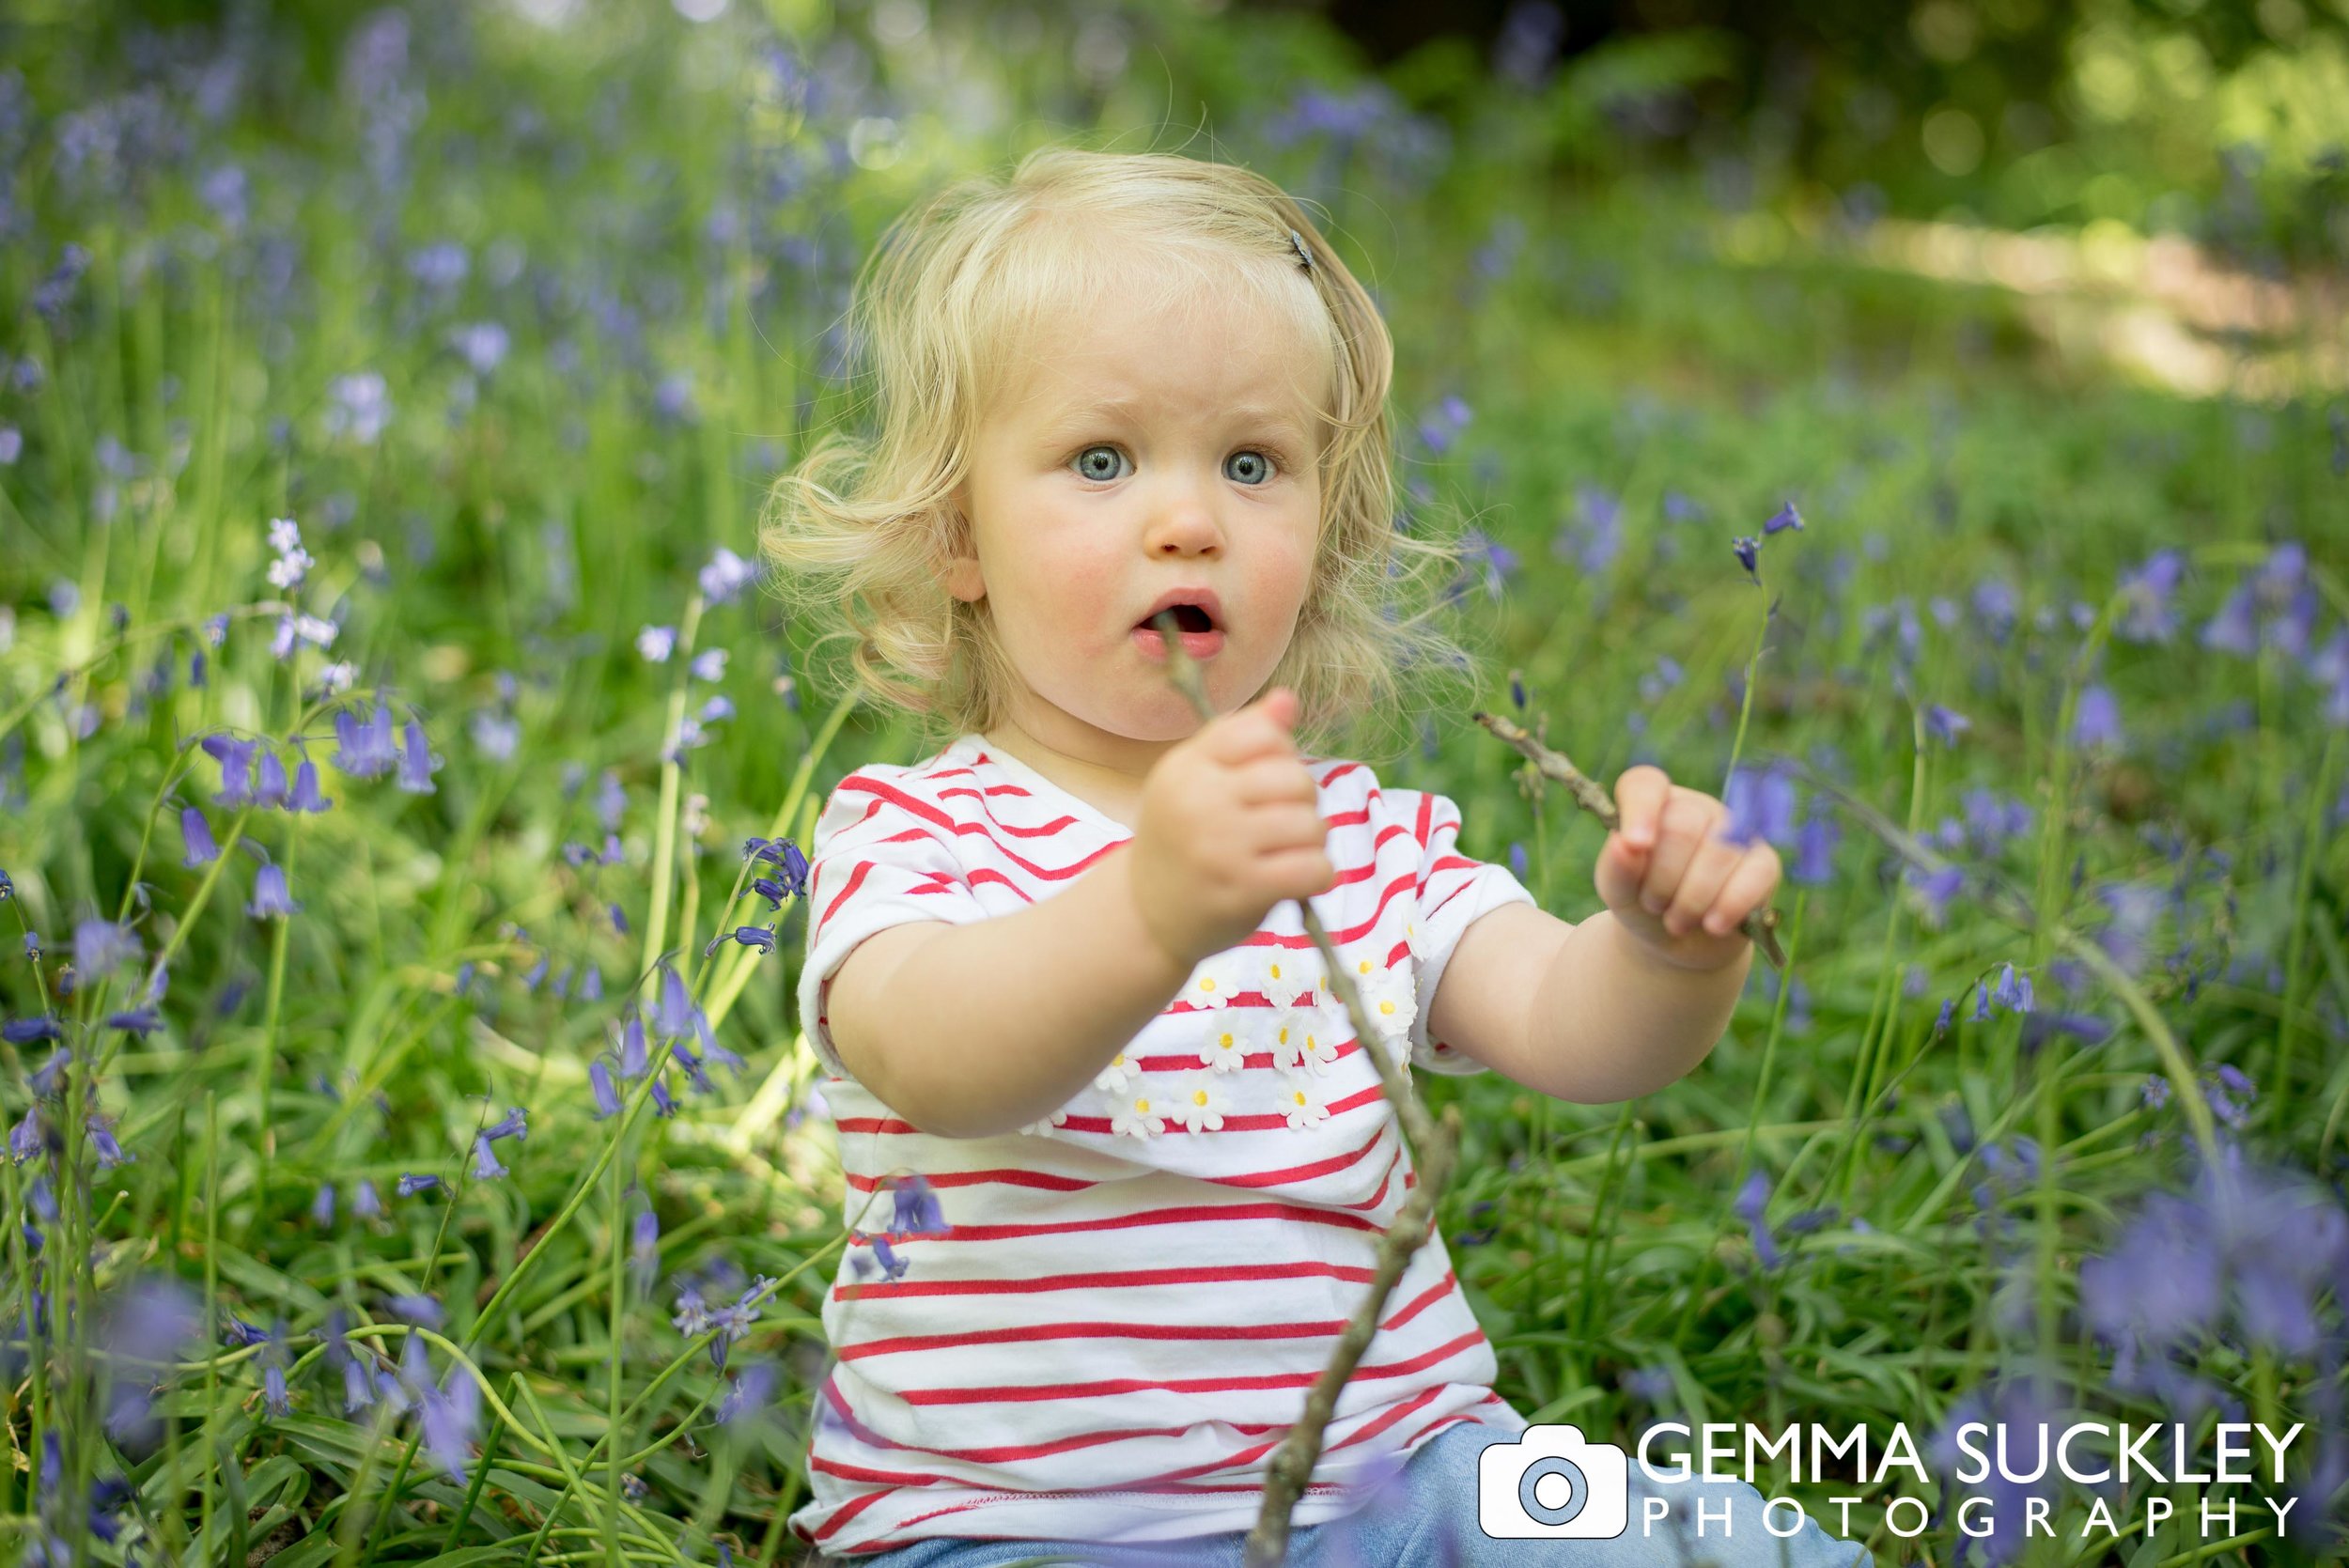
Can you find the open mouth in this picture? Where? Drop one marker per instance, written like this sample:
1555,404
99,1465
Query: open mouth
1188,617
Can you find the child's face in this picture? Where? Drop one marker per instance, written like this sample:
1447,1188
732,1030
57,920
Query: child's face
1083,514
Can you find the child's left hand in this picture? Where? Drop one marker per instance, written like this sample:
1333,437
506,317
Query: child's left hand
1671,881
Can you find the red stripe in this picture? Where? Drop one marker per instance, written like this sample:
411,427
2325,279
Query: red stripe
1103,1388
1255,1122
1121,1331
1123,1280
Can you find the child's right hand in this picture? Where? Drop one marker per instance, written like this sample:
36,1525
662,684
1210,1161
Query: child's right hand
1230,826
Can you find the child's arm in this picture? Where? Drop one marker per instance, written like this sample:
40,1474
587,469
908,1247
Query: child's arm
1581,1012
973,1029
1633,997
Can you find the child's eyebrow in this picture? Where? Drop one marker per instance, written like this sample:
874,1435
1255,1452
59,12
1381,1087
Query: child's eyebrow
1071,414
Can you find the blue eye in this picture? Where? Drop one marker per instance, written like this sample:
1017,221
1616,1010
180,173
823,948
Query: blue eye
1261,464
1089,468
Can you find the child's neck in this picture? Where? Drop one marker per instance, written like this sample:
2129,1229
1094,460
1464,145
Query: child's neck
1112,791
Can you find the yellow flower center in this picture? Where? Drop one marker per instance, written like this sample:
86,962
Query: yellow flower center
1276,971
1208,984
1386,1005
1224,1042
1199,1097
1361,965
1142,1104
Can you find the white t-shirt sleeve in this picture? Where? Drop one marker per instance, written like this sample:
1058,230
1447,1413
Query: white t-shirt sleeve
1454,891
881,856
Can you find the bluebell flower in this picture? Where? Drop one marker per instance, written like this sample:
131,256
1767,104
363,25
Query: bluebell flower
1751,1202
451,1418
674,1017
917,1211
102,946
268,790
643,1246
634,1053
485,1161
711,1049
323,1205
1761,806
515,1124
417,764
1942,1023
363,1202
27,1139
271,898
305,795
2096,719
752,1390
1814,847
774,893
894,1265
1981,1004
656,642
664,1103
1749,555
1936,888
48,1081
611,800
202,848
2234,628
1945,724
591,984
409,1186
717,709
757,937
684,1057
2014,992
537,971
709,664
101,1137
725,578
1785,518
239,1334
363,750
24,1031
607,1098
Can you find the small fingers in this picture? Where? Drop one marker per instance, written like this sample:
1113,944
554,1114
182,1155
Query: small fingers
1709,870
1757,874
1639,797
1680,832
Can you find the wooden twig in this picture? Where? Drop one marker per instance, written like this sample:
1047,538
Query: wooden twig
1761,924
1434,1145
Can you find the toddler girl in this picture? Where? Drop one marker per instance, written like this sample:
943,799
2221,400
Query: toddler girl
1117,1167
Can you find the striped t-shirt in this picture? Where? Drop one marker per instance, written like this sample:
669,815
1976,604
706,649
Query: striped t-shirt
1132,1296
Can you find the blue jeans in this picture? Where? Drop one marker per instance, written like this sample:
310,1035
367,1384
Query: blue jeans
1427,1517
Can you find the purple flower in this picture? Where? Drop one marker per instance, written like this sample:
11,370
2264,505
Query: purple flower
1761,806
202,849
100,946
634,1053
674,1017
1748,555
364,751
24,1031
752,1390
607,1098
363,1202
409,1186
1751,1202
1785,518
515,1125
917,1211
2096,722
271,898
451,1417
2014,992
1945,724
2147,592
269,793
1936,888
304,797
725,578
656,642
2234,628
1814,848
323,1205
485,1161
417,764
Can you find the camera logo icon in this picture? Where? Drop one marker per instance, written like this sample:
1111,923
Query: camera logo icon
1550,1482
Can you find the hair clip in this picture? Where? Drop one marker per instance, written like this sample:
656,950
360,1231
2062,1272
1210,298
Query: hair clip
1304,257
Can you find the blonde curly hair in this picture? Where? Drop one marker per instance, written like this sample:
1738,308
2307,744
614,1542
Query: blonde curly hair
858,531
